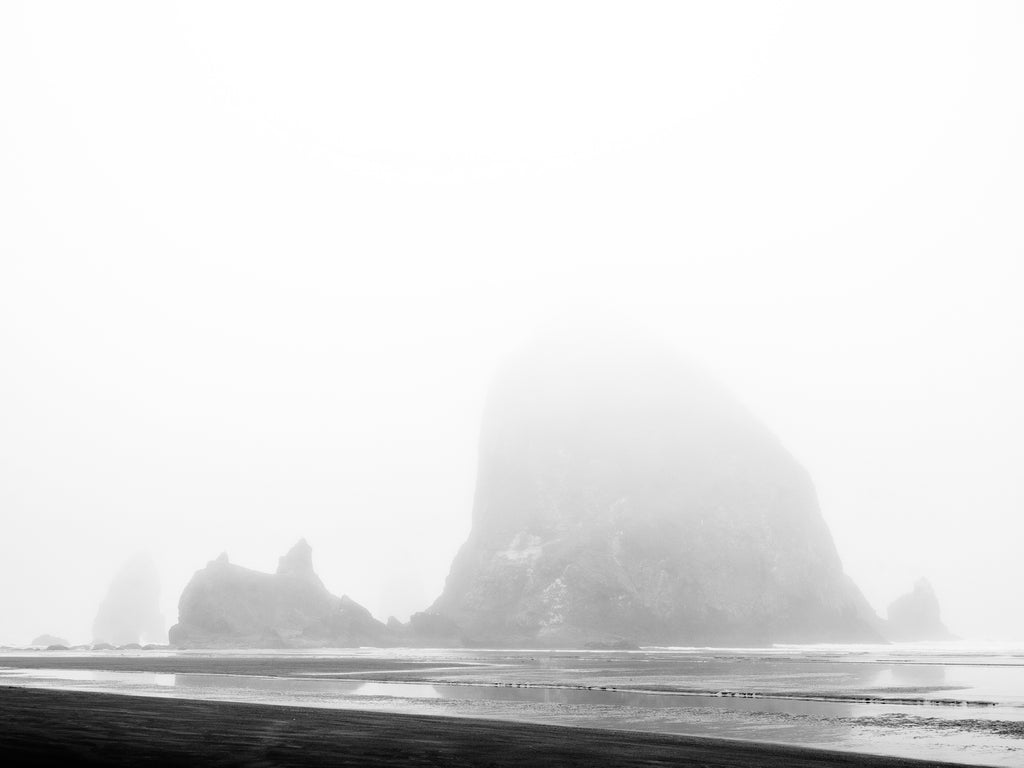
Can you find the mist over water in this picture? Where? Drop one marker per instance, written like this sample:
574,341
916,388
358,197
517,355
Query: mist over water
246,299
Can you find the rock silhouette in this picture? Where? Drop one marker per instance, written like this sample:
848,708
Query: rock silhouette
916,616
226,605
48,640
622,496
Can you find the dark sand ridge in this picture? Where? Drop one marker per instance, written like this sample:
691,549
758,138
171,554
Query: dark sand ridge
46,727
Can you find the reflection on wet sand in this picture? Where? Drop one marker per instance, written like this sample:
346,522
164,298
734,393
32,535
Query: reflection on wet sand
851,701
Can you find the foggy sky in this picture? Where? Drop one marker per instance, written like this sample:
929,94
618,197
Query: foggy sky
258,263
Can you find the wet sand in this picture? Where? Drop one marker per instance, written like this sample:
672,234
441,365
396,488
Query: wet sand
265,665
51,727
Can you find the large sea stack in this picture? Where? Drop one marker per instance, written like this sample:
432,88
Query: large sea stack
226,605
624,497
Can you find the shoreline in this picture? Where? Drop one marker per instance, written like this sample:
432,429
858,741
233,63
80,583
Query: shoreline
415,671
58,727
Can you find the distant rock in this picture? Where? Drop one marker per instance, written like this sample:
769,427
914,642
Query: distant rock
57,647
425,630
226,605
916,616
616,645
433,629
130,612
45,640
623,497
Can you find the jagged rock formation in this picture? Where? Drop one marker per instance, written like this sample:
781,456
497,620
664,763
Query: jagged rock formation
225,605
624,497
916,616
130,612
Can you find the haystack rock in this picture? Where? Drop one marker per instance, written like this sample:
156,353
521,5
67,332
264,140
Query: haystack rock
226,605
916,616
624,497
130,612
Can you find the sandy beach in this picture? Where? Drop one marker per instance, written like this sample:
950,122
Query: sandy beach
946,704
48,727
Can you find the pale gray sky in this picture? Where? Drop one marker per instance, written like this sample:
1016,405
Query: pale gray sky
258,262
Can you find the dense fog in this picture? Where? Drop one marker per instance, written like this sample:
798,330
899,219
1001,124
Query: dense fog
258,270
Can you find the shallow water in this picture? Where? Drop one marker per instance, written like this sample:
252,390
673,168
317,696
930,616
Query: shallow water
949,702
